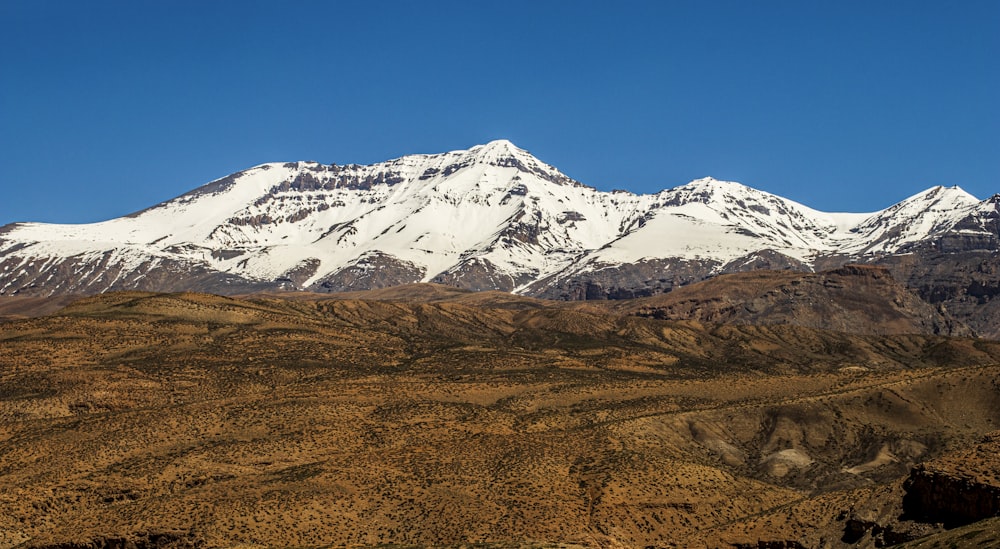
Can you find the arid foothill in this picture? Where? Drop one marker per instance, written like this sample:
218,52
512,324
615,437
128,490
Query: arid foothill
428,416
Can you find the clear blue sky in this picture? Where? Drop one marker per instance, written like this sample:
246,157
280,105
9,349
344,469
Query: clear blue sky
107,107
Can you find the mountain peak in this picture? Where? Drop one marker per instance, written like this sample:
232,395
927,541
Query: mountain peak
498,151
711,188
504,154
954,190
939,197
499,144
711,182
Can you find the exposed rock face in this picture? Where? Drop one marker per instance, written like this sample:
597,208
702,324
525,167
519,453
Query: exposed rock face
300,273
765,260
641,279
934,496
957,490
854,298
980,231
107,272
375,270
881,535
967,284
481,274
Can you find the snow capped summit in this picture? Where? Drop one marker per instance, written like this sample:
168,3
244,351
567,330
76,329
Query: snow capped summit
709,184
925,214
492,216
494,151
504,154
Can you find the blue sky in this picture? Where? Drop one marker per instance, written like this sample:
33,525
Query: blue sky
107,107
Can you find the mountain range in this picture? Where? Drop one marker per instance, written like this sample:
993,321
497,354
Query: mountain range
711,366
495,217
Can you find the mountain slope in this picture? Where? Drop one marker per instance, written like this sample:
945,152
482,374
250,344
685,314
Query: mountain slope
311,224
910,222
856,299
490,217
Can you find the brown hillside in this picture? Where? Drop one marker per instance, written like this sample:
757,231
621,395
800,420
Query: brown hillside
857,299
189,419
18,307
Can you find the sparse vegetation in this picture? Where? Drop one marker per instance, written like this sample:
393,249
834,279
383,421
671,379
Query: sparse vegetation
466,420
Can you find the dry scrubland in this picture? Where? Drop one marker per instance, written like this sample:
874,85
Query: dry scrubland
429,417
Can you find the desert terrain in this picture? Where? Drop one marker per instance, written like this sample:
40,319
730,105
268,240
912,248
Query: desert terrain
426,416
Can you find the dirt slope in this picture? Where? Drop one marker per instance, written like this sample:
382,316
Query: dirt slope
218,422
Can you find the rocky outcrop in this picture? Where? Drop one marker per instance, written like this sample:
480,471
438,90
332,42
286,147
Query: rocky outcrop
299,274
956,491
858,299
480,274
933,496
959,488
642,279
967,284
374,270
881,535
765,260
111,271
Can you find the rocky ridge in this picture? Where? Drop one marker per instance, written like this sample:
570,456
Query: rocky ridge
854,298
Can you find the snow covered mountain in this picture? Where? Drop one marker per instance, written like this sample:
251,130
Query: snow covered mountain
490,217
